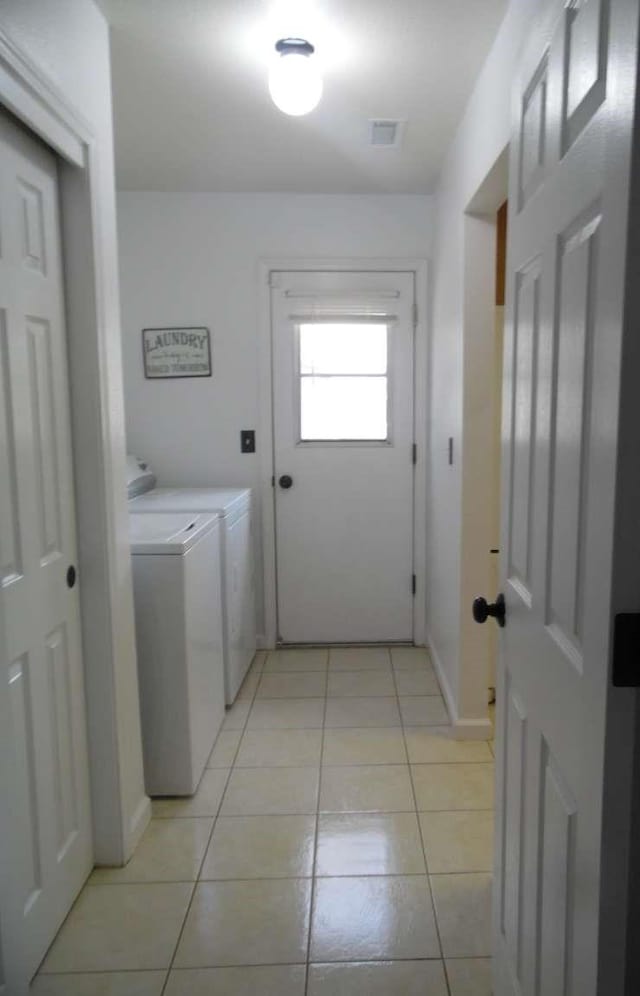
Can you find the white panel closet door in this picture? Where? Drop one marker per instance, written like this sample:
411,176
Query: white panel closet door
570,151
42,673
343,427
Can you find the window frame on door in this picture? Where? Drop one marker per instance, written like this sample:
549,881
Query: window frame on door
389,321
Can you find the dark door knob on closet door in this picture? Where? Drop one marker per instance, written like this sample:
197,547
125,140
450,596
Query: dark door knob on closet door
285,481
71,576
483,609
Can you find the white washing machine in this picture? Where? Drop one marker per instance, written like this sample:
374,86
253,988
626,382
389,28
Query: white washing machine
178,610
233,505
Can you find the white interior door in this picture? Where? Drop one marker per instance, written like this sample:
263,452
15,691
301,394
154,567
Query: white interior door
343,427
570,153
42,664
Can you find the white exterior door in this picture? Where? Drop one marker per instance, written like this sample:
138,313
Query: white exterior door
343,475
42,665
570,155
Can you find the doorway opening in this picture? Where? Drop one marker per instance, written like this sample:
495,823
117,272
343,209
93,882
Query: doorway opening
344,375
484,277
496,462
342,347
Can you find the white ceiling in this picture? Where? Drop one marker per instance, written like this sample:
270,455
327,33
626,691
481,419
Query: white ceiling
192,110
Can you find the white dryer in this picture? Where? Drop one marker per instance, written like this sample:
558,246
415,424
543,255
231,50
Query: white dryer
233,506
178,611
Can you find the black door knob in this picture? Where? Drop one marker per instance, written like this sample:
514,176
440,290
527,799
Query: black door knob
483,609
285,481
71,576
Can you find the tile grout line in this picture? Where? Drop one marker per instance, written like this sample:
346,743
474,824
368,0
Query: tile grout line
293,878
213,827
424,850
351,764
324,812
317,830
269,964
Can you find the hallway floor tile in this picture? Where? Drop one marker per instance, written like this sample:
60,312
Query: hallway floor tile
339,844
404,978
373,918
369,844
375,788
262,922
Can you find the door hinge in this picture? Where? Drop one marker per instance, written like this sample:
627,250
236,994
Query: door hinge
413,584
273,480
414,453
415,315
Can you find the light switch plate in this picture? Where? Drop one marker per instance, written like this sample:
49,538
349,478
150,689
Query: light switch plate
247,440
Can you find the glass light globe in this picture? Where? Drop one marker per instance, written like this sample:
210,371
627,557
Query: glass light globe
295,84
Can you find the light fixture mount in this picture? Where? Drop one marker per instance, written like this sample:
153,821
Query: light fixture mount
297,46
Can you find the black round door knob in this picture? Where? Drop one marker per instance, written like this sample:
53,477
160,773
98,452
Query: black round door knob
483,609
71,576
285,481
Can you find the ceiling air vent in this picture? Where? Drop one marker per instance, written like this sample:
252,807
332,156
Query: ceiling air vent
385,133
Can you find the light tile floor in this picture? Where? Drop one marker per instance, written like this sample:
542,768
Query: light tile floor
339,844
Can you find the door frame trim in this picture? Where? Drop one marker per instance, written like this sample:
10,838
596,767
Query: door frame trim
420,270
98,436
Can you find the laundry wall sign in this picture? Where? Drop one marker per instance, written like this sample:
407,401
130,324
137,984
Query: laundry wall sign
176,352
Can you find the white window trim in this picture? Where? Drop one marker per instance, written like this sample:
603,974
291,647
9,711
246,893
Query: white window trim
389,323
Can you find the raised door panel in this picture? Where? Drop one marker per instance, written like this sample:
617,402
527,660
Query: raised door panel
585,64
533,134
523,431
570,430
63,757
10,544
511,869
45,449
556,873
33,243
26,800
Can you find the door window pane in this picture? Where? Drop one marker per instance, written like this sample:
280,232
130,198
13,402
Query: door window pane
343,408
343,381
343,348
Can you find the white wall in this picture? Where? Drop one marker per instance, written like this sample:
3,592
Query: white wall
66,45
192,259
458,507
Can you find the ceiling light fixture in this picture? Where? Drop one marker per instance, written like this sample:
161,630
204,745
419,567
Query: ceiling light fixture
295,84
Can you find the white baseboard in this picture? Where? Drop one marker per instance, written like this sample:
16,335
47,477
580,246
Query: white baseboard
118,856
473,729
138,825
462,729
443,681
